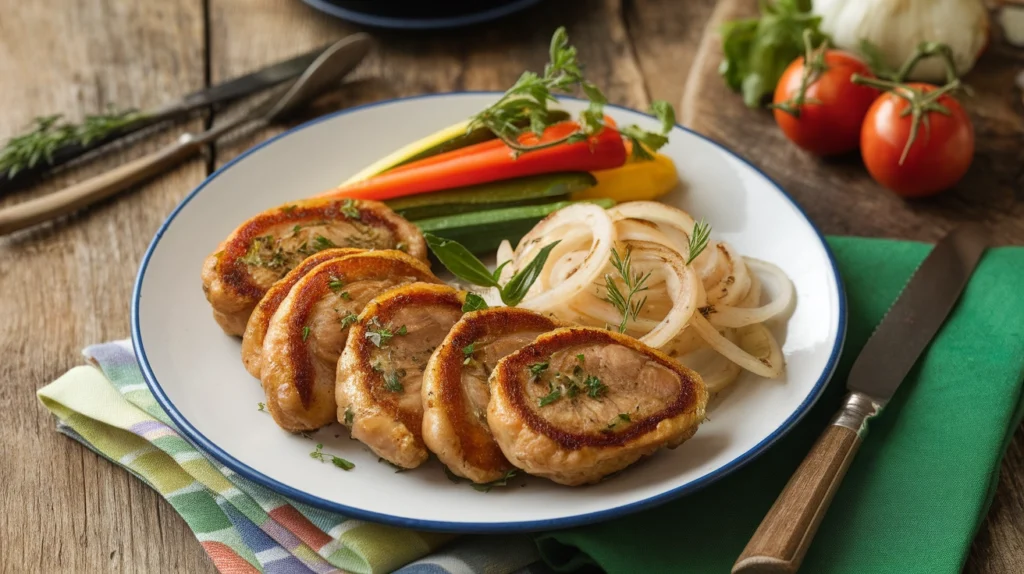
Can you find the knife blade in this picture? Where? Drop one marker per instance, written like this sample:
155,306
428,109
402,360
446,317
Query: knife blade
915,317
247,84
221,93
782,539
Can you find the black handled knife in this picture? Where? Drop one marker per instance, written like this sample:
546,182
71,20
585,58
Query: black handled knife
24,158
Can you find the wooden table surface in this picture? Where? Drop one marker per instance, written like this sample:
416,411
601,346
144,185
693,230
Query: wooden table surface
67,284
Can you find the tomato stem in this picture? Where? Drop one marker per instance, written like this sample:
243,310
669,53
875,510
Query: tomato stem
921,104
927,50
814,67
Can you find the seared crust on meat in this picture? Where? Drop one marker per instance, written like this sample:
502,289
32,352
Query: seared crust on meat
577,425
307,333
455,392
256,328
264,248
378,380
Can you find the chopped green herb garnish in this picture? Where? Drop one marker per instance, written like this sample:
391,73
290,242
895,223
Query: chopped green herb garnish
377,333
349,209
551,397
296,229
473,302
622,418
337,461
288,209
335,284
580,358
262,253
342,463
305,333
467,353
595,388
402,331
537,369
503,481
393,381
349,415
261,407
320,243
483,487
401,246
347,320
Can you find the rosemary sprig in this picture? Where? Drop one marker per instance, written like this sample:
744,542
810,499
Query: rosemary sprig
49,134
634,283
524,107
698,240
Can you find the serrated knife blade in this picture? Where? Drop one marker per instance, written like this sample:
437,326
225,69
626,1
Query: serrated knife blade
782,539
918,313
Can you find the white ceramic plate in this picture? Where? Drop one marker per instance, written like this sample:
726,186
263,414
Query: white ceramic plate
196,373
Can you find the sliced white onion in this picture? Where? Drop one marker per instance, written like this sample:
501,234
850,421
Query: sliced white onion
768,364
726,316
734,285
602,239
717,371
676,225
753,296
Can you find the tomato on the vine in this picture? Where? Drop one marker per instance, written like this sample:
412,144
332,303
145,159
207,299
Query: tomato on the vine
818,107
917,140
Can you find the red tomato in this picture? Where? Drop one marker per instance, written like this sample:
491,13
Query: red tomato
833,108
939,156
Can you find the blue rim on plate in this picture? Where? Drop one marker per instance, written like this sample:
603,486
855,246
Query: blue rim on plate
398,23
471,527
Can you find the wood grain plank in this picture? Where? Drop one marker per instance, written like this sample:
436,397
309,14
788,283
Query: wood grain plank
667,35
68,284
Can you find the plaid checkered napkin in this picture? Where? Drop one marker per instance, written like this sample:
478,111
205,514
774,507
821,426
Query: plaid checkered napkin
243,526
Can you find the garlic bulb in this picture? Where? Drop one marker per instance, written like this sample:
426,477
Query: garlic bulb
896,27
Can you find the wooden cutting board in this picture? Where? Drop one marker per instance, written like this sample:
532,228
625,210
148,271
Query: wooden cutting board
837,193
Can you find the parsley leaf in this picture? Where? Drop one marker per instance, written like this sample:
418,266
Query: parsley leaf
757,50
347,320
349,209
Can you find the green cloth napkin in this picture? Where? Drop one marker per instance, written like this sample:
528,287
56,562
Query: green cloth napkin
921,484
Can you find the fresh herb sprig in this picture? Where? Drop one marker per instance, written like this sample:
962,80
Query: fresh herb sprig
698,240
319,454
464,265
50,134
625,300
524,107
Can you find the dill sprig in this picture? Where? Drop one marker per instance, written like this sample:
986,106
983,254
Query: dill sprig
49,134
524,107
633,284
698,240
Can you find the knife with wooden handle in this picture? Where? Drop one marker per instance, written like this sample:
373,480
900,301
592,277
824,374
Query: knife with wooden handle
782,539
